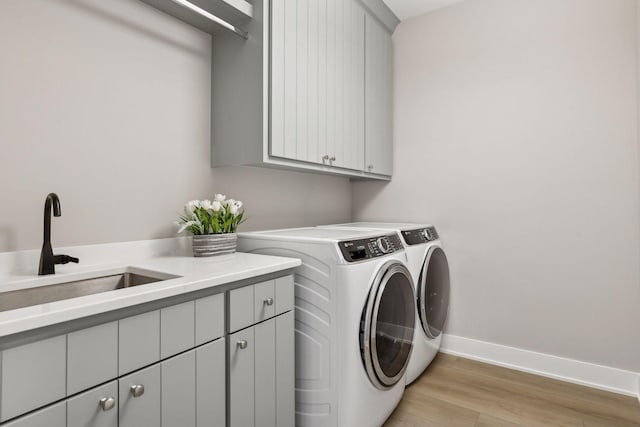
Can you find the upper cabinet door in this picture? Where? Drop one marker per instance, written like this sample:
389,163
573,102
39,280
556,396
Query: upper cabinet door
317,82
379,98
346,143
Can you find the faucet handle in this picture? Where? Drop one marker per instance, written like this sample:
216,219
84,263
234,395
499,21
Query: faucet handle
64,259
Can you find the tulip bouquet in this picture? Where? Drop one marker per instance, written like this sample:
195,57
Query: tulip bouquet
217,216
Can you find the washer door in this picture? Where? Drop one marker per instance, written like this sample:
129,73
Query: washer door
387,325
433,292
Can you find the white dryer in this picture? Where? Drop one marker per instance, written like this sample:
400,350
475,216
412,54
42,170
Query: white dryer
429,268
354,321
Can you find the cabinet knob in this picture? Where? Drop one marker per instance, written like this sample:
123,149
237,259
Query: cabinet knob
243,344
137,390
107,403
268,301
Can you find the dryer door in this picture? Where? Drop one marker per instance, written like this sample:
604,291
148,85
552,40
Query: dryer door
433,292
387,325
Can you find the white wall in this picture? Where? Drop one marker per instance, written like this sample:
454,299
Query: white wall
108,104
516,135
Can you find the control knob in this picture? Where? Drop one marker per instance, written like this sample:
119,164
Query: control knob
383,245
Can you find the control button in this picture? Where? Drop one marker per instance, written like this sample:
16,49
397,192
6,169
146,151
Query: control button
383,245
427,234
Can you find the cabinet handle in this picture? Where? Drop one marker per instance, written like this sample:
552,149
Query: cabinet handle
370,167
243,344
137,390
107,403
268,301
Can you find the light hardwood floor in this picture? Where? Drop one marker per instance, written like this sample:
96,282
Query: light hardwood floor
457,392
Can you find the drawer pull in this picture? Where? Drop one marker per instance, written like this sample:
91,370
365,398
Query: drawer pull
137,390
268,301
243,344
107,403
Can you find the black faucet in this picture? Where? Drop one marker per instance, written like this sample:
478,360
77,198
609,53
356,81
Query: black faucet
48,260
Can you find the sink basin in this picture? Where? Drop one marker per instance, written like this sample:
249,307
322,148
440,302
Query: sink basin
28,297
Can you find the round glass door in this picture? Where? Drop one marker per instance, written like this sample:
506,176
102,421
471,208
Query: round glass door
387,326
433,292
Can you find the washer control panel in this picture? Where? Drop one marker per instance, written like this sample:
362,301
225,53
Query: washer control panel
358,250
420,235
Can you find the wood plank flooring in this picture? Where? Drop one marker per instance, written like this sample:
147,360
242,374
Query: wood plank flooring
457,392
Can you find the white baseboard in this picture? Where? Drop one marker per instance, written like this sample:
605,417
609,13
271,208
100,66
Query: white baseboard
573,371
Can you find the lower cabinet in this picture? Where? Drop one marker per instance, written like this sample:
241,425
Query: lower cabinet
140,398
285,371
210,385
241,378
261,377
178,400
182,379
52,416
94,408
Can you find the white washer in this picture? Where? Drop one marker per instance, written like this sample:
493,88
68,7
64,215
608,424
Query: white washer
354,321
429,268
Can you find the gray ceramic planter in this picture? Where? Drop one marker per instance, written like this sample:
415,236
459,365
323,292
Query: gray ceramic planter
214,244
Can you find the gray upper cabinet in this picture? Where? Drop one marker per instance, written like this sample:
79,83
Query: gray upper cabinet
317,82
379,98
294,95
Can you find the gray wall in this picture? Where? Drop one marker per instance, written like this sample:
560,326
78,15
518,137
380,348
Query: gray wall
516,134
107,104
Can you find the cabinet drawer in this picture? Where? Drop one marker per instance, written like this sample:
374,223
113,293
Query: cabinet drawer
241,308
92,357
86,409
177,329
143,410
209,318
53,416
264,301
138,341
284,294
33,375
210,384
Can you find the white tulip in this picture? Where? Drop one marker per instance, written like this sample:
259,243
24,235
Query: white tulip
206,204
234,209
191,207
219,197
216,206
239,204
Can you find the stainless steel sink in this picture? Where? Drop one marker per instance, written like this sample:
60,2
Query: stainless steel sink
61,291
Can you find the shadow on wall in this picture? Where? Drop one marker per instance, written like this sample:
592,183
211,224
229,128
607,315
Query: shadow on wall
365,195
105,11
7,239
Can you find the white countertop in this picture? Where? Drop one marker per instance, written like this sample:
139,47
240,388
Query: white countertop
195,274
